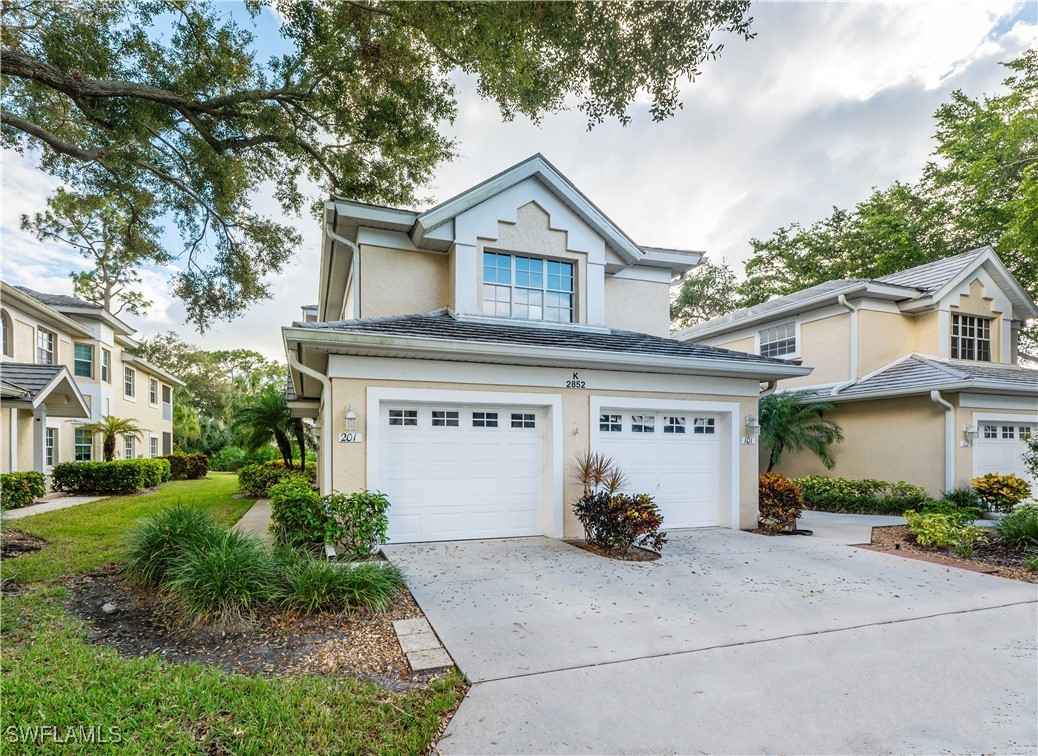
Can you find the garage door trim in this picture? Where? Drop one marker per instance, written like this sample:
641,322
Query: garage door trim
550,403
728,416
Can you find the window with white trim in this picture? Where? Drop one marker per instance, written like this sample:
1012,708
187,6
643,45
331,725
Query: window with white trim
673,424
404,417
50,447
971,338
524,420
44,347
153,392
484,419
779,340
83,360
6,320
643,423
154,446
130,447
444,419
84,445
610,423
703,426
129,382
527,288
106,366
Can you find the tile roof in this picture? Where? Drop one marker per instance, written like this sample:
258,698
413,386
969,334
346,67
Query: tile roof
443,325
28,377
57,300
934,275
922,373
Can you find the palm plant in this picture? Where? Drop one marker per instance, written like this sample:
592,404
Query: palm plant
789,421
263,417
109,427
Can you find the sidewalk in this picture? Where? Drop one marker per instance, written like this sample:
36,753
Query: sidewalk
52,505
256,522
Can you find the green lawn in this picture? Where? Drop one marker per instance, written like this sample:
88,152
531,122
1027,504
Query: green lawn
53,677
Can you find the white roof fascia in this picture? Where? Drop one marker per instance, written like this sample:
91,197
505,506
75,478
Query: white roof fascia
536,166
1017,295
676,261
46,312
445,348
62,376
985,386
403,220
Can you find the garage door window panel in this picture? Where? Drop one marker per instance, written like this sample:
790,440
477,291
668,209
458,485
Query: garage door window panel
704,426
643,423
674,425
524,420
484,419
403,417
445,418
610,423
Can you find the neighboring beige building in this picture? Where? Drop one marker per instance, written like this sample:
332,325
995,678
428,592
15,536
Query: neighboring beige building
459,359
65,363
921,365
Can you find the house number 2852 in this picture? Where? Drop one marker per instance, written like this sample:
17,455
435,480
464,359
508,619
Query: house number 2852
575,382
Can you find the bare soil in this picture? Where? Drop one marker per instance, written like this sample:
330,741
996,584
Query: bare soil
14,543
1000,560
275,643
636,554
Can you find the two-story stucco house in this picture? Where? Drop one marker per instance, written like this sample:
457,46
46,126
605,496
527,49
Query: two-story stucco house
921,366
460,358
65,363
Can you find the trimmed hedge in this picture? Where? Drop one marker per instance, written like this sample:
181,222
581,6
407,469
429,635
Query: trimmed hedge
187,466
20,489
256,480
118,477
860,496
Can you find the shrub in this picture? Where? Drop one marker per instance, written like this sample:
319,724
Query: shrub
256,480
1031,455
618,521
780,502
866,496
1001,492
1019,529
964,498
960,515
228,459
297,514
316,584
187,466
943,531
160,542
357,521
1032,563
20,489
225,580
118,477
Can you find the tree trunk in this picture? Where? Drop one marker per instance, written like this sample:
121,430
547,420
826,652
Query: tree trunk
109,447
284,447
773,459
297,425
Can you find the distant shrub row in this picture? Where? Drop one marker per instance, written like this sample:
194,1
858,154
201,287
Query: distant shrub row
187,466
860,496
119,477
20,489
256,480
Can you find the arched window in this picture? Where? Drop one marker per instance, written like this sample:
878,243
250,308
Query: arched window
6,319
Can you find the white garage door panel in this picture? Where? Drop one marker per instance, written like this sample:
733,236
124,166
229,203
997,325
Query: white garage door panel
681,471
453,483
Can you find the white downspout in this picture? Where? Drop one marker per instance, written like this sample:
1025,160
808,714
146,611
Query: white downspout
326,420
842,301
355,268
949,439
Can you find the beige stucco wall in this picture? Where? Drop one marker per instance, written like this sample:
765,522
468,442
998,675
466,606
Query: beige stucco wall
401,282
739,345
884,337
349,461
890,439
641,306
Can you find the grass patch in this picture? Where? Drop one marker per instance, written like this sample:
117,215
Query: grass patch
52,676
85,537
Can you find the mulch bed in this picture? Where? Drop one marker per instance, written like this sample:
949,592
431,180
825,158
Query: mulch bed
276,643
636,554
992,558
14,543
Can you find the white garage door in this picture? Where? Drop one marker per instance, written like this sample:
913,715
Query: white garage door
999,448
459,472
673,456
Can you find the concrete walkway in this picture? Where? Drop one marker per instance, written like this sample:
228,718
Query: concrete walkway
52,505
732,643
256,522
844,528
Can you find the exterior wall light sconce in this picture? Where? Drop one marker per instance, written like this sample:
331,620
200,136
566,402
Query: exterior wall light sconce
351,418
970,432
753,425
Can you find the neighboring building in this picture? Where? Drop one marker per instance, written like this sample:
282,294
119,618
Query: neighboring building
921,365
459,359
64,364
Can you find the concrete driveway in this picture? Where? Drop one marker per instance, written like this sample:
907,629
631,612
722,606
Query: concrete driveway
732,643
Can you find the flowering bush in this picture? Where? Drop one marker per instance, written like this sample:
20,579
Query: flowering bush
780,503
1001,492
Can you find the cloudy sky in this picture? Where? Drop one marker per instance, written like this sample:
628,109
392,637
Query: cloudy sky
828,101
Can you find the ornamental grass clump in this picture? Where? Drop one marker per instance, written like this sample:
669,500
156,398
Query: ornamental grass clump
159,543
315,584
1019,528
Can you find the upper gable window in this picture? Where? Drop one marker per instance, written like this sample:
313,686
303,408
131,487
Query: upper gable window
971,338
779,340
527,288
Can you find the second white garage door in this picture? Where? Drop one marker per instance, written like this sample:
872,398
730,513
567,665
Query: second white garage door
1000,448
462,472
673,456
